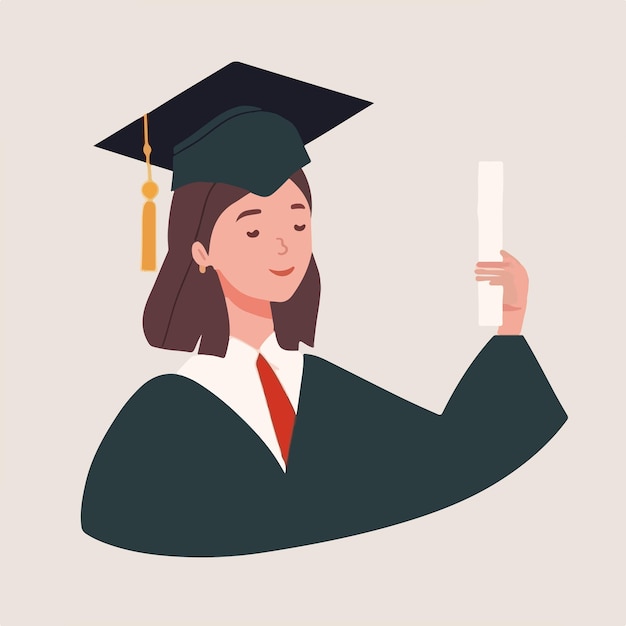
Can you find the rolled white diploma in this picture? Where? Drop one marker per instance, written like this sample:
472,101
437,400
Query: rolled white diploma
490,194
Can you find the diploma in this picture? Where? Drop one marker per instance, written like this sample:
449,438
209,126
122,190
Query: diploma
490,190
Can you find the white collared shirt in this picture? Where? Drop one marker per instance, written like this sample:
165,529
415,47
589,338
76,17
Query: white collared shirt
235,380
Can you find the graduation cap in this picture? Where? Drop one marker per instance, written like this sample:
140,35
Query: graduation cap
242,125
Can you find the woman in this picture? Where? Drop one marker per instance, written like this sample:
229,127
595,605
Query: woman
254,447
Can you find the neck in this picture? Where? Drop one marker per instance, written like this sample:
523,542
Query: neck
249,319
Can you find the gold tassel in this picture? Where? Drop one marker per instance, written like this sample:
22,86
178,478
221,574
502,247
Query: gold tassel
148,226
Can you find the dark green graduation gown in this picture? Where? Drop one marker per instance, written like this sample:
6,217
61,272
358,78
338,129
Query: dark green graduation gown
179,473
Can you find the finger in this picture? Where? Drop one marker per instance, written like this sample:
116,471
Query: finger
492,280
499,264
493,271
508,257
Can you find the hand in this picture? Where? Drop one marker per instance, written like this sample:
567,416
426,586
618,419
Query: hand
509,273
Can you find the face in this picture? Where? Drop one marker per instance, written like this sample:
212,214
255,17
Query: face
261,246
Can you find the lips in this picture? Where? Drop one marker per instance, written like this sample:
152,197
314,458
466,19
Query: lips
282,272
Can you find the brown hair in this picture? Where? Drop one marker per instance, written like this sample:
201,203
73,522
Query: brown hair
186,306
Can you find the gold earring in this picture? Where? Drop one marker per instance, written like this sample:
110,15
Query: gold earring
202,269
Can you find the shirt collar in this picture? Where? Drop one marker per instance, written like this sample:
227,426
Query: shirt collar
218,374
277,357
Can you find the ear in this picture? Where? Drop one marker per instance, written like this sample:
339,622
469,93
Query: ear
200,255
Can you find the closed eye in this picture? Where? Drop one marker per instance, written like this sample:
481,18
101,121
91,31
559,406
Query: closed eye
254,233
297,227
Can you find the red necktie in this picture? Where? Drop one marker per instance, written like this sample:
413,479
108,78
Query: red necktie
281,411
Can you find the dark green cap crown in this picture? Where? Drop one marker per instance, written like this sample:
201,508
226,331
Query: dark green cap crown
245,147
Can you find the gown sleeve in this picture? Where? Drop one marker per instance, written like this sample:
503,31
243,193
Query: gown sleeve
370,459
501,413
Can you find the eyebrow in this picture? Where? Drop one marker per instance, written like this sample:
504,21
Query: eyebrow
249,212
297,206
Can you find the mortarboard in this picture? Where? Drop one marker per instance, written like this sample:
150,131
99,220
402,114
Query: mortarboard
241,125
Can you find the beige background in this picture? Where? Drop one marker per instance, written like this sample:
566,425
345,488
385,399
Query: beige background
537,84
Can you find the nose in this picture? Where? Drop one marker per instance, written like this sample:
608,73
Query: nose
283,246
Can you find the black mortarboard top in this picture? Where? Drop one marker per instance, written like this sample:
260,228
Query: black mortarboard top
242,125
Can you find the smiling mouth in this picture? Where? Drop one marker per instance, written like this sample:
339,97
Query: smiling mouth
283,272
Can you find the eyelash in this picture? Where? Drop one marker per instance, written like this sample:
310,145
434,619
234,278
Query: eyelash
255,233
